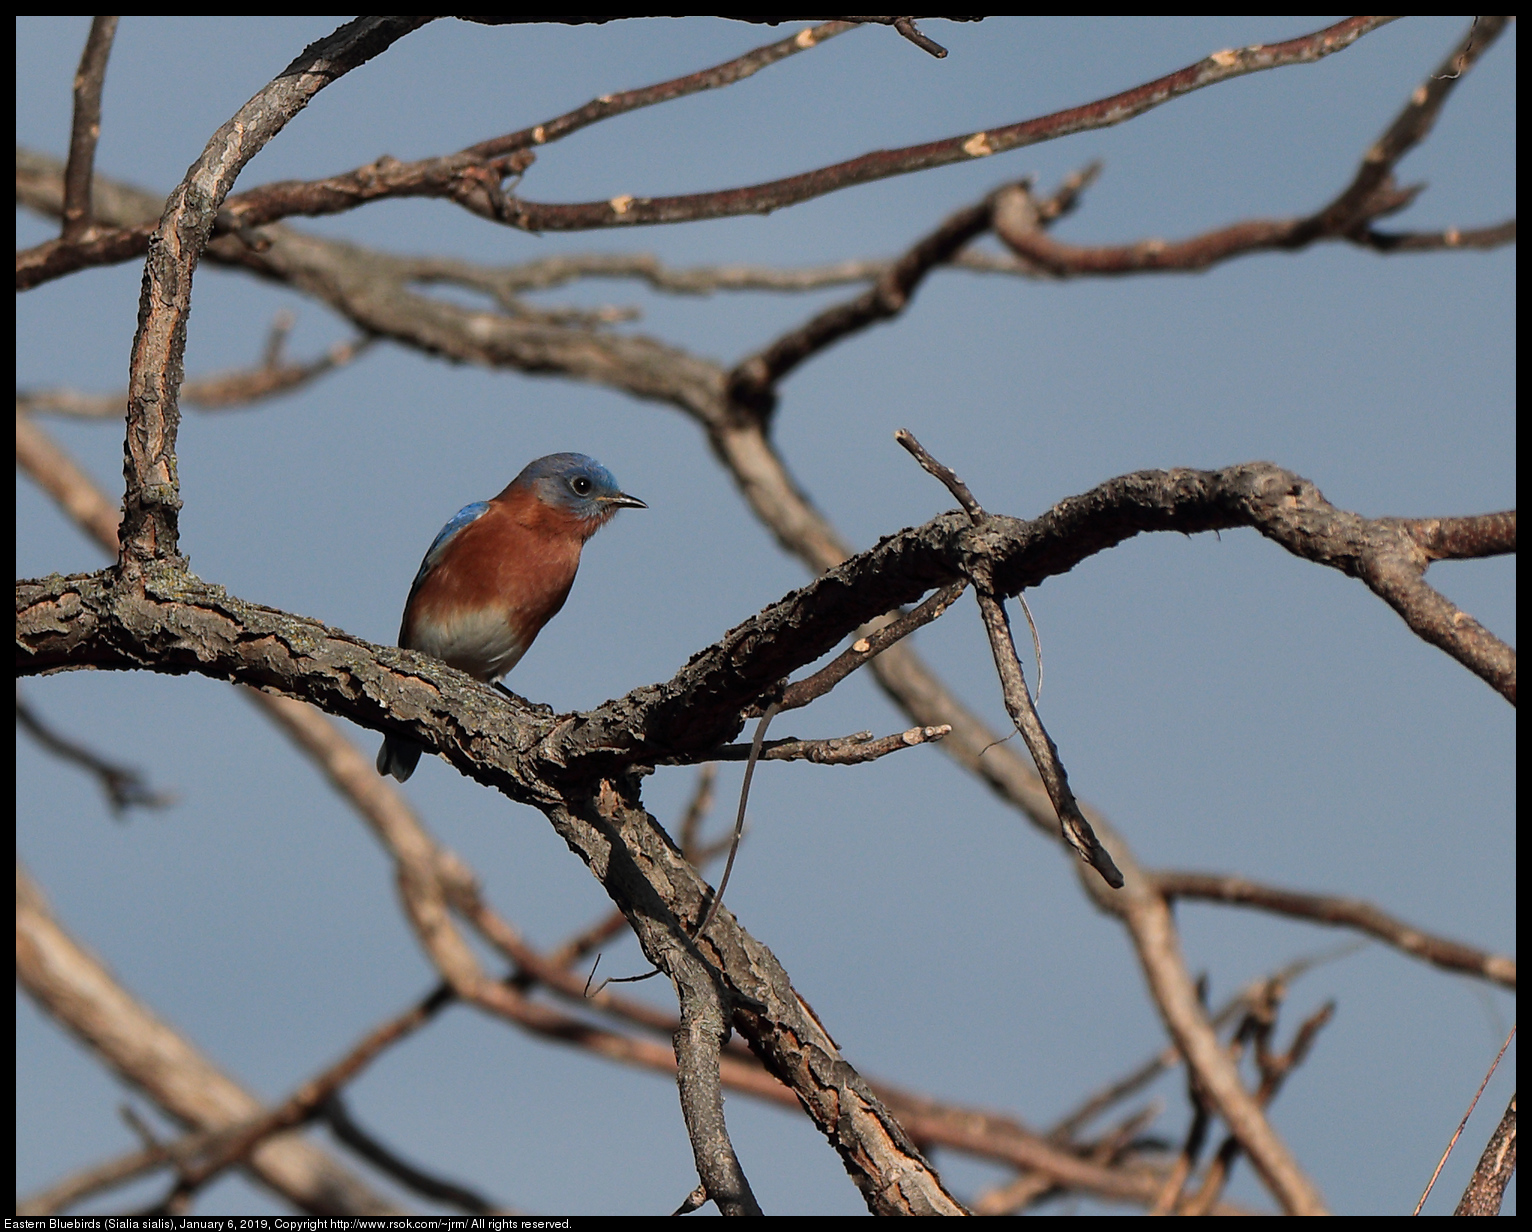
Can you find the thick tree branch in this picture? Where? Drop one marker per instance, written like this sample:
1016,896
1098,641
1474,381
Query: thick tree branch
152,501
698,1042
178,624
1496,1167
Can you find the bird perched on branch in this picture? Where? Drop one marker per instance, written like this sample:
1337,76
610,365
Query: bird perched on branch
499,571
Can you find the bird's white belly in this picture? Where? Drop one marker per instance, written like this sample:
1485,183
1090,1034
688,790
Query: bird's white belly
482,644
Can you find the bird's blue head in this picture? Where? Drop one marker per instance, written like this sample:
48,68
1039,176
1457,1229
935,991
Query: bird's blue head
576,485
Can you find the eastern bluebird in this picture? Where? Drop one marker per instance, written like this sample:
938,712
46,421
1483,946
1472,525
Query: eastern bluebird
499,571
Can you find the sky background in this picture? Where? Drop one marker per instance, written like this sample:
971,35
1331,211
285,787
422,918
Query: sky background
1229,707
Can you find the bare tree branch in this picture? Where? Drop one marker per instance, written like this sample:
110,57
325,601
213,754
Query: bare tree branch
302,1105
72,987
698,1043
582,771
434,1188
1013,685
906,26
850,750
86,128
609,105
753,382
124,786
152,502
471,183
238,387
802,692
1221,66
1334,909
1370,195
1463,1124
1496,1167
1274,1070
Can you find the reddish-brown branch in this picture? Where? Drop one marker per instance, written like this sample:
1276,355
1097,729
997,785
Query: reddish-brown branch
881,164
471,177
1370,195
1359,203
474,183
752,384
1333,909
609,105
1436,241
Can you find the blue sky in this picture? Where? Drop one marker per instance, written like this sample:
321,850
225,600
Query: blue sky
1229,707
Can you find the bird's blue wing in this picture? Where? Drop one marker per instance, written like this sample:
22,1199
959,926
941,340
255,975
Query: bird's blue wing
465,515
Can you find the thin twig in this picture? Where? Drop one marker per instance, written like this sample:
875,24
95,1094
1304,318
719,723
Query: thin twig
906,26
1463,1124
1349,216
802,692
956,486
1337,910
752,384
337,1116
739,819
124,786
609,105
85,130
1075,828
852,750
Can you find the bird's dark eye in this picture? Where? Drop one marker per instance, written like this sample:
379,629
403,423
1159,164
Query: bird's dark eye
581,485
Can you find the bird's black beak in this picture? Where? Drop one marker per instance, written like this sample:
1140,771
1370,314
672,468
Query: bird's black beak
623,501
